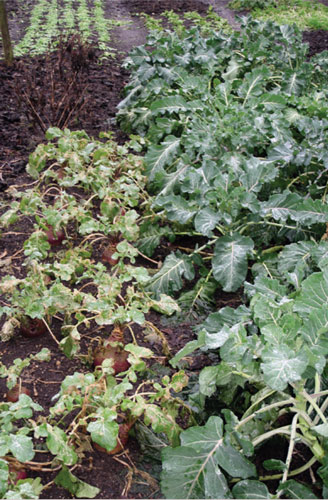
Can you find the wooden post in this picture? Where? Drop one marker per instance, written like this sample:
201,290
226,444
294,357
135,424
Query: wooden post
6,42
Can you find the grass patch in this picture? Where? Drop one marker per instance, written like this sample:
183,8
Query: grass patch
307,15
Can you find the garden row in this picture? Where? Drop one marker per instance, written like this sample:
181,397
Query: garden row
51,19
235,133
86,192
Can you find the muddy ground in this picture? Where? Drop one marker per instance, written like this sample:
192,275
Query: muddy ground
20,130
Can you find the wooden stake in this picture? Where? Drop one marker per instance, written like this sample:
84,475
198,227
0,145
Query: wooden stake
7,47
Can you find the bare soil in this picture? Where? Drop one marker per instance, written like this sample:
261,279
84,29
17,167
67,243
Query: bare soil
21,129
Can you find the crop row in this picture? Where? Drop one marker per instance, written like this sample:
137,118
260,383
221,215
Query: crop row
50,20
234,128
85,193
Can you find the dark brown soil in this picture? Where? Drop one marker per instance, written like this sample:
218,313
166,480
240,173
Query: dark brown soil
317,40
20,131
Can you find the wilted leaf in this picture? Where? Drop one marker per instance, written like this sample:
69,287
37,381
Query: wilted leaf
21,447
74,485
104,430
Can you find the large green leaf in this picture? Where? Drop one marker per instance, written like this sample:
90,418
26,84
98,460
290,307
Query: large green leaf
236,345
283,152
294,489
293,83
174,104
295,254
320,255
207,380
253,83
177,208
266,288
256,173
193,469
315,329
281,365
314,294
206,220
230,260
250,489
158,156
169,278
232,70
187,475
293,206
150,237
168,181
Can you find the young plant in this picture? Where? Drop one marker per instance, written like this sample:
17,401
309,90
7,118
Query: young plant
13,372
69,15
83,18
28,43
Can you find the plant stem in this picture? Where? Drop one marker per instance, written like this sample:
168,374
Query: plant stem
265,222
249,410
147,258
264,409
272,249
49,330
323,409
314,405
294,472
282,430
290,450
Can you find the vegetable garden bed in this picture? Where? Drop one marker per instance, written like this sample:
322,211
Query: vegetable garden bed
191,258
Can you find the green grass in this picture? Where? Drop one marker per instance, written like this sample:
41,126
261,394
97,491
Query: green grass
306,14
